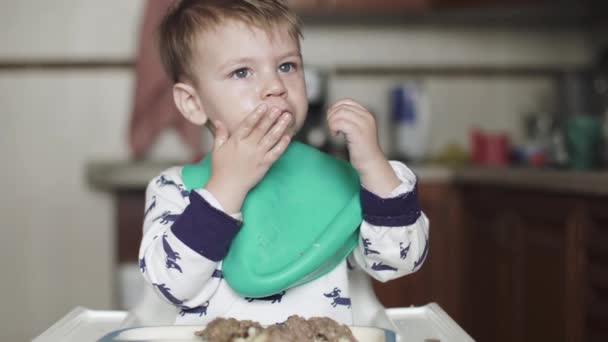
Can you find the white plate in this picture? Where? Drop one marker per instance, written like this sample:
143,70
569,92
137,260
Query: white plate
186,333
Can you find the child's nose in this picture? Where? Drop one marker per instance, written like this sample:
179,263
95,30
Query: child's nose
274,86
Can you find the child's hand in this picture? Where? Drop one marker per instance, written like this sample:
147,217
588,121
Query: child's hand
239,161
359,128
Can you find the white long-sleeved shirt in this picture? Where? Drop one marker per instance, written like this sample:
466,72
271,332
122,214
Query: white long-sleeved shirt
187,234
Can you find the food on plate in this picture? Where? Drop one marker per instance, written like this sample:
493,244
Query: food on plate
294,329
229,330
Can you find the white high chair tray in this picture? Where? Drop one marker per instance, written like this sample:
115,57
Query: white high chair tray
82,324
426,323
412,324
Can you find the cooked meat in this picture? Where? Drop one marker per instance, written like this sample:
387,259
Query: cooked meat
229,329
315,329
295,329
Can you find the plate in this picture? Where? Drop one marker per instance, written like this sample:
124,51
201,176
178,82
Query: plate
186,333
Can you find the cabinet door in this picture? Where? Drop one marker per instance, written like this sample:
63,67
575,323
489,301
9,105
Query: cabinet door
594,317
130,218
490,275
523,270
541,268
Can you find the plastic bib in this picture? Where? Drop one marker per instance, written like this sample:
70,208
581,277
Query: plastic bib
299,222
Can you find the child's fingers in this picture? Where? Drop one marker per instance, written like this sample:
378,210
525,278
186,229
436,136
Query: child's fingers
278,149
345,125
350,109
346,115
251,121
259,131
276,132
350,102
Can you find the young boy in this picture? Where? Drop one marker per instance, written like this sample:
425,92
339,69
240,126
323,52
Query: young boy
237,68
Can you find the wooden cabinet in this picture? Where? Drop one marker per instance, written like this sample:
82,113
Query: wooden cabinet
399,7
346,7
527,263
515,264
387,6
594,318
460,4
309,6
129,220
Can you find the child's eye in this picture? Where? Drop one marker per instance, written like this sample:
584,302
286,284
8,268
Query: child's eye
240,73
287,67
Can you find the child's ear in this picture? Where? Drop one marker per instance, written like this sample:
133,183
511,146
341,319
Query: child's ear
189,103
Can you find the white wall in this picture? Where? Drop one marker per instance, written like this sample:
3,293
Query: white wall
495,103
456,104
57,249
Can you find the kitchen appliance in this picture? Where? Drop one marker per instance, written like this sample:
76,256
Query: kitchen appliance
314,132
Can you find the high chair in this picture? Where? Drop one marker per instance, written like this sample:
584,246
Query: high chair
422,323
367,310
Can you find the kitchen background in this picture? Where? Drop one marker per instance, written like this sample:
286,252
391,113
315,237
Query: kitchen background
66,97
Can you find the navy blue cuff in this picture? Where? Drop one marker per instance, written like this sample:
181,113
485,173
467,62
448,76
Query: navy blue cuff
403,210
205,229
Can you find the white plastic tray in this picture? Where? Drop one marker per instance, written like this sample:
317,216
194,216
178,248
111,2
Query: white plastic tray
82,324
426,323
413,324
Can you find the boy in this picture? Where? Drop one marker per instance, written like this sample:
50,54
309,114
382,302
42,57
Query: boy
237,69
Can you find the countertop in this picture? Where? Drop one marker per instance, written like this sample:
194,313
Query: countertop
129,175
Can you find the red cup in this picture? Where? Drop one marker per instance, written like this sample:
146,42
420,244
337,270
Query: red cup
478,146
497,149
489,148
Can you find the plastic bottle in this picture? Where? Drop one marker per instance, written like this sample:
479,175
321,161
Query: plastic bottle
411,117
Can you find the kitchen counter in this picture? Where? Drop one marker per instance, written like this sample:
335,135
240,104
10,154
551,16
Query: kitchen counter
127,175
579,182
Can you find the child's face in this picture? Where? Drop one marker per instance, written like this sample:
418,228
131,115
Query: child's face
239,67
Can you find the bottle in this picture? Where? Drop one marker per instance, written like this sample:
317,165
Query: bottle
411,117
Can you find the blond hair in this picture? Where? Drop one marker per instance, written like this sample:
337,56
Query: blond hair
178,30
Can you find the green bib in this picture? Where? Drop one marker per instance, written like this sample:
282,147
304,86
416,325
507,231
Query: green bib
299,222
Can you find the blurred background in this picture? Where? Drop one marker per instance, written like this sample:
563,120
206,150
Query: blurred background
499,106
